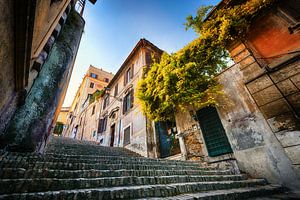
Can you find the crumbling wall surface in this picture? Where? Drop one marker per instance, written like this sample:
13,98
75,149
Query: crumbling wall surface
190,130
8,97
32,122
257,150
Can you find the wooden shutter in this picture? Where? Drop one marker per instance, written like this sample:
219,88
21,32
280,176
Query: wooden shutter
127,135
131,98
125,78
100,126
148,58
132,71
216,140
104,123
124,105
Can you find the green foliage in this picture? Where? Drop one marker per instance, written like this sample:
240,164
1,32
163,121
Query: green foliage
187,77
58,129
96,96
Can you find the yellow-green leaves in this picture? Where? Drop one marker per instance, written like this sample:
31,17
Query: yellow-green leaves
187,77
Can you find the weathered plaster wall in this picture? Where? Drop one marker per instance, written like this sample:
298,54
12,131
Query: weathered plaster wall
142,138
32,122
7,82
261,114
257,150
133,117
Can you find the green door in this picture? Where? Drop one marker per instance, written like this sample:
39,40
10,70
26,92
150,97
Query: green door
213,132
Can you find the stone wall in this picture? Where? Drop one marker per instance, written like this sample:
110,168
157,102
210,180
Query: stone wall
190,131
47,17
31,125
8,97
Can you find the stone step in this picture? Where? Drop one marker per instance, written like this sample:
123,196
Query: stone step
12,155
51,184
132,192
100,157
107,160
99,166
9,173
90,150
231,194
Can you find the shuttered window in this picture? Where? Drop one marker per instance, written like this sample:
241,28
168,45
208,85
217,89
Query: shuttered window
102,125
148,58
128,101
116,90
213,132
127,135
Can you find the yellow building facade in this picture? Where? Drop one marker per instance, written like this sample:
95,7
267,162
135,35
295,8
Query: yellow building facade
81,118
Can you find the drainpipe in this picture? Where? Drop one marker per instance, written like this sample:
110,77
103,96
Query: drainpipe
119,131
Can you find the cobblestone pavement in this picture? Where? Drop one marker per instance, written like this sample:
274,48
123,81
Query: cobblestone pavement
72,169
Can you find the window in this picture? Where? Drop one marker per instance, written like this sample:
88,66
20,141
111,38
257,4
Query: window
105,101
148,58
94,133
89,96
291,8
71,120
128,101
128,75
102,125
93,75
127,132
91,85
93,111
116,90
106,80
101,141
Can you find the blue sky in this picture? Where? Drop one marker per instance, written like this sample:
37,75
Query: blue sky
113,27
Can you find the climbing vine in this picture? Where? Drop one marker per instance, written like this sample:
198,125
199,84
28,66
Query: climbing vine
187,77
96,96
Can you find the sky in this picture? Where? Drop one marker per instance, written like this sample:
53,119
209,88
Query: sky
113,27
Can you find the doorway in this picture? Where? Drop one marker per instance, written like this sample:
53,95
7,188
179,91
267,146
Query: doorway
213,132
168,143
112,135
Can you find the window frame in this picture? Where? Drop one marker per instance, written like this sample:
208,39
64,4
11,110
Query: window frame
93,75
130,134
92,85
116,90
128,101
105,101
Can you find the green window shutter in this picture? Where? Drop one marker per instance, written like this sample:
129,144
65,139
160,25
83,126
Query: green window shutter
213,132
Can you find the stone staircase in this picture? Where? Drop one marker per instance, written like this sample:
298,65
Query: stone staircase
83,170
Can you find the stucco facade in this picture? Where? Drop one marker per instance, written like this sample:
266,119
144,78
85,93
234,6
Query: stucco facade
115,118
81,119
